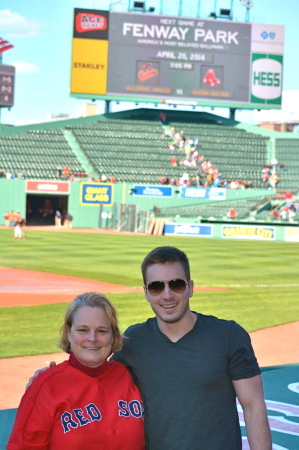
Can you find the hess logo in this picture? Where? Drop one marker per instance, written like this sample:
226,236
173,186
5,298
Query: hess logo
266,79
90,22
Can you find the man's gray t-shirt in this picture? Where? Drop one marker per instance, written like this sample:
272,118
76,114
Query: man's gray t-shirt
190,402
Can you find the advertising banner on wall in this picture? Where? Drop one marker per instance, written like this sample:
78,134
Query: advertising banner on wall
204,193
176,60
248,232
291,234
95,194
188,229
90,52
153,191
47,187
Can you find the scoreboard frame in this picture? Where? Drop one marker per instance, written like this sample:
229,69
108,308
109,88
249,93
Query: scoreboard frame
173,60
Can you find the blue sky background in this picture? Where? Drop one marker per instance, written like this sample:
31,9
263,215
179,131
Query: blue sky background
41,33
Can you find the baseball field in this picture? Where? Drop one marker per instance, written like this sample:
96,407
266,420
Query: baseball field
255,283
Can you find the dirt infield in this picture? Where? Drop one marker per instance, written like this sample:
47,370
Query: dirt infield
21,287
273,346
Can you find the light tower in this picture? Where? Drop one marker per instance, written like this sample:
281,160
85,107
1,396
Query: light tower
248,4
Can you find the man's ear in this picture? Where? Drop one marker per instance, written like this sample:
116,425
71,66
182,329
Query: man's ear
145,294
191,288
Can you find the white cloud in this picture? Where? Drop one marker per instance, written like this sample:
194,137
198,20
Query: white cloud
13,25
23,67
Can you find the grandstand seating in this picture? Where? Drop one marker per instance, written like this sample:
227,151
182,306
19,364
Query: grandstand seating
267,216
239,155
37,153
287,152
217,210
132,150
135,151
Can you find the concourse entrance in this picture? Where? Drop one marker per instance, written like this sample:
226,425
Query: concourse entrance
43,199
40,209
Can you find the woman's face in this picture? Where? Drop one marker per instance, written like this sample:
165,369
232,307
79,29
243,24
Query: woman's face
90,336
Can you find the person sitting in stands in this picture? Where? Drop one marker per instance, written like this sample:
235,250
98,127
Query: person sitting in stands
173,161
284,213
66,172
232,213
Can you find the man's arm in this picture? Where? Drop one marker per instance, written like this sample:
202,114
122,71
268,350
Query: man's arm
250,394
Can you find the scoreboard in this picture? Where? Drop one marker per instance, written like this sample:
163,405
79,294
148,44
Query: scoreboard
174,60
7,85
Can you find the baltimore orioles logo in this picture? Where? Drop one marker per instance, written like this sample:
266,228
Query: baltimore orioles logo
146,72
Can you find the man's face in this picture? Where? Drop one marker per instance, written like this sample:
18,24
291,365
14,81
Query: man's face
169,306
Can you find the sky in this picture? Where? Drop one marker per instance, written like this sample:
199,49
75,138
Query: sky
41,33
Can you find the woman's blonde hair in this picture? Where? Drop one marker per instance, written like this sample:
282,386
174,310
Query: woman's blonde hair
94,300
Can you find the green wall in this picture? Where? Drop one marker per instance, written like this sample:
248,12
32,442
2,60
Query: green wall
13,196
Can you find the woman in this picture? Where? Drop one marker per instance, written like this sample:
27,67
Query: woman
85,402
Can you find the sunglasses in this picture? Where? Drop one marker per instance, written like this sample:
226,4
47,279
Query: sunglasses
177,285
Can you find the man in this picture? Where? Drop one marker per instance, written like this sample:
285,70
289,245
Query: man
68,221
191,367
18,232
58,217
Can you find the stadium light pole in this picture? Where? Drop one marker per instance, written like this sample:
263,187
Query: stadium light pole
161,7
215,6
131,6
180,13
247,15
248,4
231,16
198,9
247,19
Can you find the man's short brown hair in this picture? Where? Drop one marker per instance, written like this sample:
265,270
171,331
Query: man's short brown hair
162,255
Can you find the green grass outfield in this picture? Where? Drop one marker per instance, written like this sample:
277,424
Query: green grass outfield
261,278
